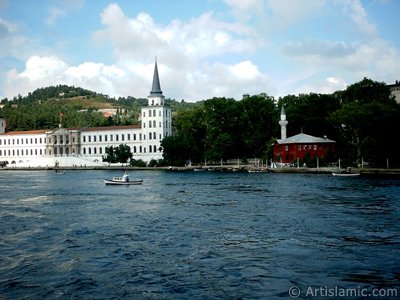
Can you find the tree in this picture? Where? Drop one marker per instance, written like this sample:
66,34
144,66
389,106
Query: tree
120,154
366,120
110,155
123,153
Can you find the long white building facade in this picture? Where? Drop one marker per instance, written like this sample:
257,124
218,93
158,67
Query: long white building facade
86,146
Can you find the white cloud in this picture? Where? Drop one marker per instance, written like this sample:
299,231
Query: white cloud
357,13
46,71
375,57
39,68
207,56
54,14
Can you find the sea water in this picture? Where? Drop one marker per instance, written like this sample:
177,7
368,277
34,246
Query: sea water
197,235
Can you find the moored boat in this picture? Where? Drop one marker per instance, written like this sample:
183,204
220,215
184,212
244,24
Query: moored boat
345,174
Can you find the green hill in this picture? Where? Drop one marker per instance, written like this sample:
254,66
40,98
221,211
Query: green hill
41,109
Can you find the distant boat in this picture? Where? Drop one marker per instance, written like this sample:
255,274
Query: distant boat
123,180
59,172
258,170
344,173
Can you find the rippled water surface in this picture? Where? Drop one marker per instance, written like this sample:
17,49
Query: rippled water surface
200,235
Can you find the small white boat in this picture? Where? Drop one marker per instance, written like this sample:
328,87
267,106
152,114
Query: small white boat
124,180
59,172
345,174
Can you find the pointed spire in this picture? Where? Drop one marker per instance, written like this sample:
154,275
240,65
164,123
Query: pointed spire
156,88
283,111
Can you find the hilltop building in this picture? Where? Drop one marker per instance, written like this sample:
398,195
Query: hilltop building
86,146
288,150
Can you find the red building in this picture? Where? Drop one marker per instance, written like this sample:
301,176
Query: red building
287,150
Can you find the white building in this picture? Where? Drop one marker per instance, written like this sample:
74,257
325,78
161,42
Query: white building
86,146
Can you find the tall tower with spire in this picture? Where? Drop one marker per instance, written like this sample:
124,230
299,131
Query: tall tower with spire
156,120
283,122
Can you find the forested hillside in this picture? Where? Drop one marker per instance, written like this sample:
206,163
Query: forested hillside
41,109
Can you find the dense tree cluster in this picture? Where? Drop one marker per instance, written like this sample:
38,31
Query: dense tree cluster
120,154
362,119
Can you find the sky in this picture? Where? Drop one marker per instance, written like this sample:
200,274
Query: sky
204,48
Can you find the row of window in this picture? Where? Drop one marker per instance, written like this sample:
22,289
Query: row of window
60,139
154,113
134,149
60,151
119,137
153,124
22,141
18,152
307,147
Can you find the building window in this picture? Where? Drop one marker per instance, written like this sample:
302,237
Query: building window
140,149
122,137
315,147
111,137
149,135
134,149
154,149
299,147
144,114
100,150
134,136
90,138
154,135
116,137
129,136
84,138
286,148
100,138
150,124
90,150
154,113
150,113
159,113
94,150
154,124
94,138
150,148
105,137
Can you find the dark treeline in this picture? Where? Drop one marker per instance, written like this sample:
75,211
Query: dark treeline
364,120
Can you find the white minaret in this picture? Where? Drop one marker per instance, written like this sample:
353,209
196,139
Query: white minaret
283,122
156,120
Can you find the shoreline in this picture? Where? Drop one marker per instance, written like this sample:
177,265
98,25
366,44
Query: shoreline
379,172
